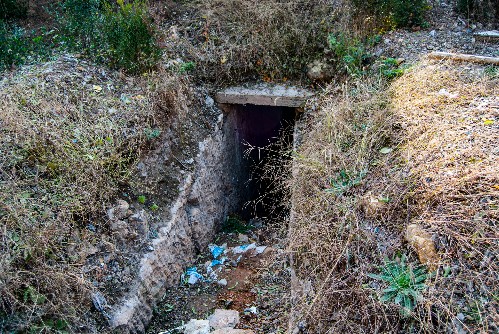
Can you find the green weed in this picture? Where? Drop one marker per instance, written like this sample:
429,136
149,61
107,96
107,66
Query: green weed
390,68
405,283
234,223
344,181
187,67
349,53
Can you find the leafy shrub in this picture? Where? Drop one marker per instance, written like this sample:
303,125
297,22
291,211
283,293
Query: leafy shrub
17,46
122,34
79,22
394,13
129,36
13,9
405,283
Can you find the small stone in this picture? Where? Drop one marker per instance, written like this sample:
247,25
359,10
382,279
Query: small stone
224,319
119,211
139,222
209,102
243,238
320,71
197,327
421,241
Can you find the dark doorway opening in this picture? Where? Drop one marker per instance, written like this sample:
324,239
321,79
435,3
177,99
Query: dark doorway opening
264,135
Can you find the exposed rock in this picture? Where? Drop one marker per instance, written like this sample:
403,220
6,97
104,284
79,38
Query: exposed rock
422,243
120,229
320,71
224,319
197,327
243,237
139,222
119,211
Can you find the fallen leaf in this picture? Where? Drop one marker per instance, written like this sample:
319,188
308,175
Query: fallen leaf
488,122
385,150
96,88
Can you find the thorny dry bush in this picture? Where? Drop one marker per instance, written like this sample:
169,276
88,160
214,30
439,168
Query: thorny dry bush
352,203
234,40
71,136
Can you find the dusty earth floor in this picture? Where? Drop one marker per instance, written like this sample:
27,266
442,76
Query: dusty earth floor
257,286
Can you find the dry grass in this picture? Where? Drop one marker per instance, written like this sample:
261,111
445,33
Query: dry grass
231,41
71,136
441,174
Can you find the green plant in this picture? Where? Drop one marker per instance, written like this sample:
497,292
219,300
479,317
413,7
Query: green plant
390,68
234,223
141,199
18,46
154,207
344,181
405,283
349,53
120,34
187,67
152,133
130,37
492,71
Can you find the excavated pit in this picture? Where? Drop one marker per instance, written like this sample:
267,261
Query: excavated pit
229,172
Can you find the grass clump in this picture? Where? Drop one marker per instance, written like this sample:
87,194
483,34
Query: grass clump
121,34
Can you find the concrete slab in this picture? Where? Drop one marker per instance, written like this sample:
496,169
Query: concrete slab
265,95
487,36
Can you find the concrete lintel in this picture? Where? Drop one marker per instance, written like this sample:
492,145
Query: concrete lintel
265,95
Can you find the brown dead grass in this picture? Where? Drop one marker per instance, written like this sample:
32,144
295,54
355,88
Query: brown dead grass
70,138
231,41
441,174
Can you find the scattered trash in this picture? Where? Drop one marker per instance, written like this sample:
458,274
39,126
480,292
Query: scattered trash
193,275
216,251
222,282
218,262
251,310
243,237
260,249
243,248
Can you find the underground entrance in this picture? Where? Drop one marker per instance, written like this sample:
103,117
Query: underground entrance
260,122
